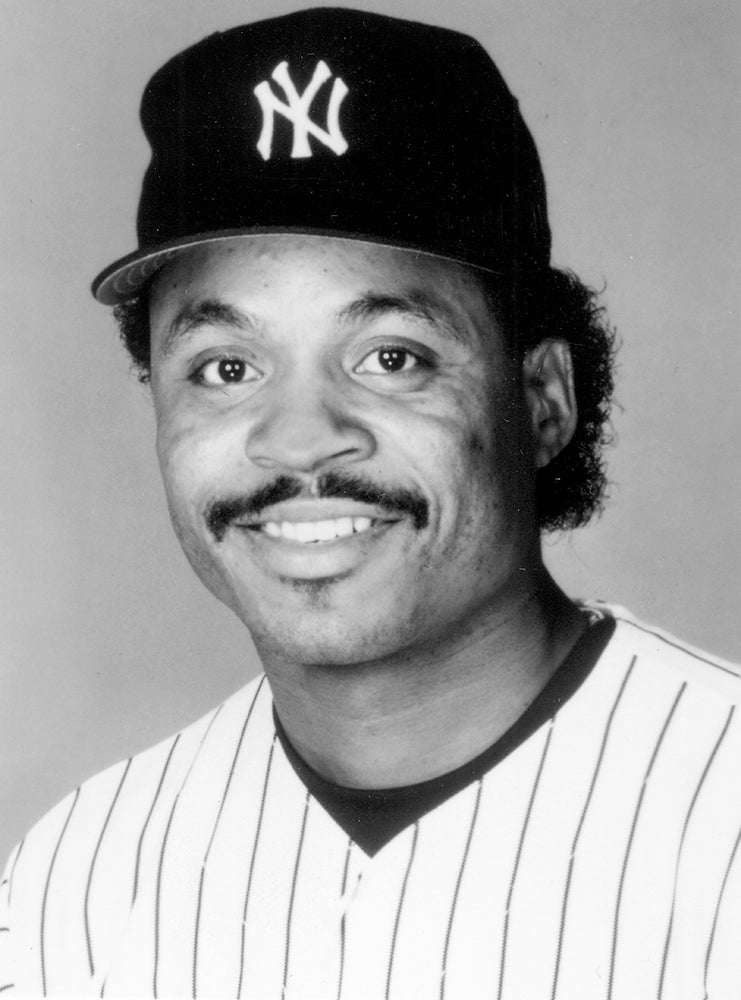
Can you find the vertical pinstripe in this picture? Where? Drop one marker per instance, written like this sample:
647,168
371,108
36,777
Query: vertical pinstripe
294,882
397,921
140,842
204,863
12,870
157,901
343,920
580,826
695,797
160,866
46,890
518,855
88,886
84,861
631,835
458,881
255,844
711,941
9,882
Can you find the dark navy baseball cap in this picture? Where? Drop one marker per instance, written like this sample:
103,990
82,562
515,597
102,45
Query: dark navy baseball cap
338,123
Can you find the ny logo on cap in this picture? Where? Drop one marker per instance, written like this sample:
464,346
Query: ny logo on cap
297,111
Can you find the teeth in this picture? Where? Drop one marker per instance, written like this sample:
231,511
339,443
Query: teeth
317,531
344,526
325,531
288,530
302,531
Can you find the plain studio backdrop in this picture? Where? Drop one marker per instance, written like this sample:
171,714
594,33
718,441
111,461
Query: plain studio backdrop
108,642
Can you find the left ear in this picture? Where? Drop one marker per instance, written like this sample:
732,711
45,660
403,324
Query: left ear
548,377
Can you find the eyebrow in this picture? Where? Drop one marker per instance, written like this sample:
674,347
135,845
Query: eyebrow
205,311
416,303
213,312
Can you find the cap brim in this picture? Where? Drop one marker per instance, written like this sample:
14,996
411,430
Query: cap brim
125,277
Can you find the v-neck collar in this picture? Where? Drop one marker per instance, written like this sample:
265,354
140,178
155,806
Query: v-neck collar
373,817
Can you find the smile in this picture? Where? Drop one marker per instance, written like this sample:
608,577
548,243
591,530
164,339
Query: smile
312,539
313,532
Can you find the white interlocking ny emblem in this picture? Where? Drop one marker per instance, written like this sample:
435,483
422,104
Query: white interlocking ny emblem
297,111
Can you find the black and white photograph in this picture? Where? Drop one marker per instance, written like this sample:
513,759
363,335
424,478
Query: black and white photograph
370,477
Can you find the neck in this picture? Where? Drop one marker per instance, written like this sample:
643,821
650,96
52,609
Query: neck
424,712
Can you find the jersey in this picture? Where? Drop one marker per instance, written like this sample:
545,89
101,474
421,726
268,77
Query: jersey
600,858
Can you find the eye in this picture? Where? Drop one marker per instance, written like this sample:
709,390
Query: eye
225,371
390,361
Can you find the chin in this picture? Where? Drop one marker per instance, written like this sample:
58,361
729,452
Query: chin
324,640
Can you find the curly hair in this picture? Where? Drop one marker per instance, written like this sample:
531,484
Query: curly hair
552,305
132,317
556,305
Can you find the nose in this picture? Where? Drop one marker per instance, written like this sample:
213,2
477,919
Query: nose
306,426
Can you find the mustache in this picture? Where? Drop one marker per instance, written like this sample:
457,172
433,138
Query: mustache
331,485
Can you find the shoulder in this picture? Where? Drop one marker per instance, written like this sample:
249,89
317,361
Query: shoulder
120,800
657,651
651,691
71,883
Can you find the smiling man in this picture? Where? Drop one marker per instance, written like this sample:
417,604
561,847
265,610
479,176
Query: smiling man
373,394
342,430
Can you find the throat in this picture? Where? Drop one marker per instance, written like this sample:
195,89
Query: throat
412,719
374,816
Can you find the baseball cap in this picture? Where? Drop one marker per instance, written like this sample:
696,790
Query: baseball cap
343,123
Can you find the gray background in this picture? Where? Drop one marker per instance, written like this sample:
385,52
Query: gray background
107,640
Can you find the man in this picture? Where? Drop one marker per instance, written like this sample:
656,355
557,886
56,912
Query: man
372,395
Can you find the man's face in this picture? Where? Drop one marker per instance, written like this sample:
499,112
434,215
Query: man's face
344,443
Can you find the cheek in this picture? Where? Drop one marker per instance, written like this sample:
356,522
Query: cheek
477,447
476,433
455,457
190,471
498,435
174,452
488,455
182,472
192,457
188,465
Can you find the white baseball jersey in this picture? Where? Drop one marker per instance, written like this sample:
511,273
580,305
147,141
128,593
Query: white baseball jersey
599,859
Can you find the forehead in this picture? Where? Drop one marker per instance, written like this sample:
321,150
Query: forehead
278,274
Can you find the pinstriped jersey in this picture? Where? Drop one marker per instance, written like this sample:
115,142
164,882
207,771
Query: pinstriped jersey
600,858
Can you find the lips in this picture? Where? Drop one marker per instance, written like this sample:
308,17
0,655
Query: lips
335,496
307,538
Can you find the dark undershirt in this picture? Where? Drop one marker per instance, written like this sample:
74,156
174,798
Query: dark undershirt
373,817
